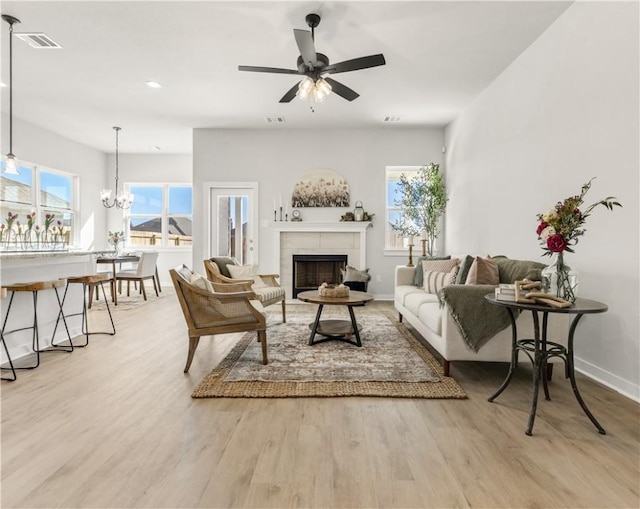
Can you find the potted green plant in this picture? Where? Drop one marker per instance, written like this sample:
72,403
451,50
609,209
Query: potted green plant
423,200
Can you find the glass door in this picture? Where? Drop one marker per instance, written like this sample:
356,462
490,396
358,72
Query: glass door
232,223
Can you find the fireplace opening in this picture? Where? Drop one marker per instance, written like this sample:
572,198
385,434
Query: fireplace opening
310,271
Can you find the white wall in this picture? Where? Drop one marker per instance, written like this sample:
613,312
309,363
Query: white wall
145,169
277,158
40,146
565,111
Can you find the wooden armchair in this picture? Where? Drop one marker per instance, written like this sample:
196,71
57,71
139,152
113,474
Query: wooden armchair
269,294
208,313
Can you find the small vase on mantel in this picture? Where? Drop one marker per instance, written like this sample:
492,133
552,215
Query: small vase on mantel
559,279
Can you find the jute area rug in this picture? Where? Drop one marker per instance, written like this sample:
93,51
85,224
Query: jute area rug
390,363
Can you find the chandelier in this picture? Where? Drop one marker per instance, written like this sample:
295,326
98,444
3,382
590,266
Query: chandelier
122,200
318,89
11,162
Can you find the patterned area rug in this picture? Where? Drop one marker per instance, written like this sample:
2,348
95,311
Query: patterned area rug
390,363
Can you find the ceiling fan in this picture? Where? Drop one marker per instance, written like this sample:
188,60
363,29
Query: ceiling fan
315,66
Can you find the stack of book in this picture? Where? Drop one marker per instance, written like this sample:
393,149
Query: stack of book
506,292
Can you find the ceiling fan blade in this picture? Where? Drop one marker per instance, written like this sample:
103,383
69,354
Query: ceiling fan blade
274,70
286,98
342,90
356,64
304,40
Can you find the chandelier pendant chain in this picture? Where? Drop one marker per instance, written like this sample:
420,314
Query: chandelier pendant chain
121,200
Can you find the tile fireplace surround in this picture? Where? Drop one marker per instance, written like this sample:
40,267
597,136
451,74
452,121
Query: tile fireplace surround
318,238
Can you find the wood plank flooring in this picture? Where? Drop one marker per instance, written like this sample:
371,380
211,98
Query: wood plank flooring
113,425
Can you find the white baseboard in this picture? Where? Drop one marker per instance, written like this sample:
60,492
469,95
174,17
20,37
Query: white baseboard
618,384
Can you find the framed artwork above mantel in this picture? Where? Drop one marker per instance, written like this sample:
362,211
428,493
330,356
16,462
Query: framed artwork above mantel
321,188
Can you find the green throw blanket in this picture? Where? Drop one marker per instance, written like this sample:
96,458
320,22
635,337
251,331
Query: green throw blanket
478,320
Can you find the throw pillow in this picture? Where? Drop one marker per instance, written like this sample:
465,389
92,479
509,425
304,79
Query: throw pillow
353,274
431,264
461,278
417,275
483,271
222,262
199,281
247,272
435,281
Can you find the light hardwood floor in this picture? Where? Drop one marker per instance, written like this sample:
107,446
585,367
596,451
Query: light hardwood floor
113,425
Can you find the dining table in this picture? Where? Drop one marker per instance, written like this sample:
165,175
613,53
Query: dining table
118,259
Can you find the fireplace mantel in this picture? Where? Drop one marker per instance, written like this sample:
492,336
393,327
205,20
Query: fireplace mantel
311,226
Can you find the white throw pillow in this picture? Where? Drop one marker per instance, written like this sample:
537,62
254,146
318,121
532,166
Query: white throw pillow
247,272
199,281
434,281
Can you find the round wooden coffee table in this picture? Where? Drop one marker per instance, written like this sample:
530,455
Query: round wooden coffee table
340,330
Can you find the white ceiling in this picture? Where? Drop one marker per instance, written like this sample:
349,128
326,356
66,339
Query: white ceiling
440,56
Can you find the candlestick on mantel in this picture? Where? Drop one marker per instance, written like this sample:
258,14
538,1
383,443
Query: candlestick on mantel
410,264
275,214
280,212
424,246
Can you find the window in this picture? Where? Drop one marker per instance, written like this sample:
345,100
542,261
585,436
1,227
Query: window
393,238
161,215
40,190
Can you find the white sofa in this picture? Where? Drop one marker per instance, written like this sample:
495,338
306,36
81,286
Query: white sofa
434,323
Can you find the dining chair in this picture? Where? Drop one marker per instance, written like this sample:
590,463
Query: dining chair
146,269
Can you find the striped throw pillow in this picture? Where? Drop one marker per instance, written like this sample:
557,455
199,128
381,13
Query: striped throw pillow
434,280
439,266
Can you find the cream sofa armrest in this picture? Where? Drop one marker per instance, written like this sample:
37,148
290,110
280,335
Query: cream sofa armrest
404,275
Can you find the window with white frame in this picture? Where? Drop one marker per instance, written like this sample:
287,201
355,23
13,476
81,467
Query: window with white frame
393,212
161,215
51,194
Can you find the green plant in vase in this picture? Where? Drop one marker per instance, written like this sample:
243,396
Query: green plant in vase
558,231
423,200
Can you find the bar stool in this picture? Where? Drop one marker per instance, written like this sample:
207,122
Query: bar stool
35,287
89,283
3,294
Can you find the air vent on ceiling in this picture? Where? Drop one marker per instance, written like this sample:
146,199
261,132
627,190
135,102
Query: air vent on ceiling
393,118
38,40
274,120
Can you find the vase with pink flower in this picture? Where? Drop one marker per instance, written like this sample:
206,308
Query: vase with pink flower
558,232
116,239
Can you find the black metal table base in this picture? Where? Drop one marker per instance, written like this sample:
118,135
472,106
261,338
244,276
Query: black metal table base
540,350
335,330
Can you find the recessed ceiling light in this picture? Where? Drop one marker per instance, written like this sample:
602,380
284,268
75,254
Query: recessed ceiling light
153,84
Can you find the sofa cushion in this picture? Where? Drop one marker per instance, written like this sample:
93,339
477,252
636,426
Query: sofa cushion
269,294
401,292
247,272
418,273
516,270
463,272
222,262
413,301
430,314
199,281
434,281
483,271
353,274
436,265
